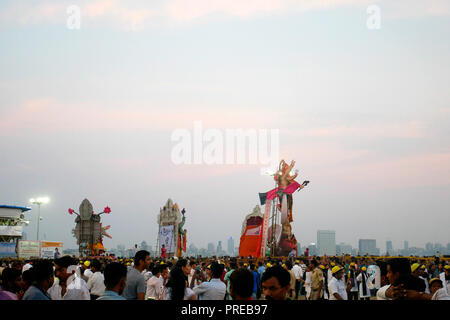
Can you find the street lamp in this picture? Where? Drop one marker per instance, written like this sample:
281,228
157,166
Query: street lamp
39,201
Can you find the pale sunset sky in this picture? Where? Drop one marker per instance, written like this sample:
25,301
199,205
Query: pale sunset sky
89,113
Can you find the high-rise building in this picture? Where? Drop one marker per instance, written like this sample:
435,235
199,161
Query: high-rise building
144,246
389,247
219,248
406,245
343,248
313,249
210,250
326,242
230,246
368,246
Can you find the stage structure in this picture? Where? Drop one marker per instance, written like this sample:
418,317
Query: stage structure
89,230
12,221
277,238
171,232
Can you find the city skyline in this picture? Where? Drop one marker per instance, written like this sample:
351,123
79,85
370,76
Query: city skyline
212,247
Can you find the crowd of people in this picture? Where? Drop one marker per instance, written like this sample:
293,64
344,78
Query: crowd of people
225,278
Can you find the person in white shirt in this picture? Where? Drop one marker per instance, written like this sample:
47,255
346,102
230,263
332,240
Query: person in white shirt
364,287
336,287
437,290
69,285
329,273
445,278
298,273
154,285
85,272
308,281
96,283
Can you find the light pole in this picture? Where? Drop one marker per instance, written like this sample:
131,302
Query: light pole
39,201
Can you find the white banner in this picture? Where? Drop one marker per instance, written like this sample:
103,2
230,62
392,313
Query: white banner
253,231
28,249
166,238
13,231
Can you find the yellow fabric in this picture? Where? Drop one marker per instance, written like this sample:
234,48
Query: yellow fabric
87,263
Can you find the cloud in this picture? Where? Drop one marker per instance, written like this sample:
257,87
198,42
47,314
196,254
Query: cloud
139,14
429,169
49,115
411,129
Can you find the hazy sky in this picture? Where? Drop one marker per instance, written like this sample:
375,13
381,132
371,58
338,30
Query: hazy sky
365,113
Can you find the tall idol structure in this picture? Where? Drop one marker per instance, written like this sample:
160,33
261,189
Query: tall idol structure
171,232
89,230
270,234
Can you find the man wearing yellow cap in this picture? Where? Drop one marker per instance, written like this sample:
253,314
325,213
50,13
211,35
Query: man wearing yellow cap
337,288
364,288
416,272
85,270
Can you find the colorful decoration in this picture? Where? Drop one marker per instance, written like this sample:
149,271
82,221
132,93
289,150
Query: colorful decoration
279,201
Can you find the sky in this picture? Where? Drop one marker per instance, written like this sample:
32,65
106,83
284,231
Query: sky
365,113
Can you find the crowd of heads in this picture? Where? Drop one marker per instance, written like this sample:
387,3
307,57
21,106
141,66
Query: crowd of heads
274,277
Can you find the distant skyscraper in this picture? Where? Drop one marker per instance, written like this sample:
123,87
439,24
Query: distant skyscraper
313,249
343,248
389,247
368,246
144,246
326,242
230,246
211,248
219,247
406,245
